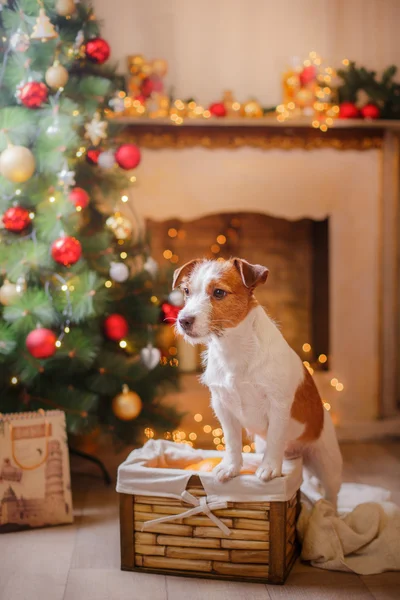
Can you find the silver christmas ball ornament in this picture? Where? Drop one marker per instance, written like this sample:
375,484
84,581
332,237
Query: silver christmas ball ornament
119,272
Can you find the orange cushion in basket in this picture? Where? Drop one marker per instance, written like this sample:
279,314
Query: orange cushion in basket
208,465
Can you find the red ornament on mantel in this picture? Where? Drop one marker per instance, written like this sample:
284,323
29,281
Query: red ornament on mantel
97,50
66,250
41,343
150,85
370,111
217,109
79,197
348,110
115,327
92,156
127,156
33,94
16,219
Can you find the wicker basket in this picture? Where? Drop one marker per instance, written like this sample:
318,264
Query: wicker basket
261,547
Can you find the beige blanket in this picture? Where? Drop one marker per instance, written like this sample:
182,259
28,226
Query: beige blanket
364,538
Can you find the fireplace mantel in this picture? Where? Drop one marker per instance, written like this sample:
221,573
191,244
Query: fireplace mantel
292,170
266,133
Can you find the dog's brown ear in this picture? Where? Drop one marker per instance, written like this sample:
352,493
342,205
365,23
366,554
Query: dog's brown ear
252,275
183,271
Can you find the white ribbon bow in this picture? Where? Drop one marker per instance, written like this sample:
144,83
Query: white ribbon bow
200,506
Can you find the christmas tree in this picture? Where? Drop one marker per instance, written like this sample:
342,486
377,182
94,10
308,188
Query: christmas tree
79,305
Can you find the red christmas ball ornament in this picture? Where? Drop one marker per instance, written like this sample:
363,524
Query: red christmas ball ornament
16,219
127,156
115,327
33,94
66,250
217,109
41,342
92,156
348,110
97,50
307,75
169,313
79,197
370,111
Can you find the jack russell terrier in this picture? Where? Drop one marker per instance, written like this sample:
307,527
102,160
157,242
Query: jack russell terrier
257,381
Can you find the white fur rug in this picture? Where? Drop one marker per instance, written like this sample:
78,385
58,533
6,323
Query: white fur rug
364,538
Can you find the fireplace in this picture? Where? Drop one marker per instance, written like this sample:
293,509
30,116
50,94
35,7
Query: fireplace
344,182
295,251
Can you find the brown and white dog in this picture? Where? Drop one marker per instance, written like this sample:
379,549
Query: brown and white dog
257,381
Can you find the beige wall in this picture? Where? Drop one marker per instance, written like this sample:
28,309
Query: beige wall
244,45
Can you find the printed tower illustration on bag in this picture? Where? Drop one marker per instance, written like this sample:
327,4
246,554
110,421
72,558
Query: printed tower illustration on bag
35,512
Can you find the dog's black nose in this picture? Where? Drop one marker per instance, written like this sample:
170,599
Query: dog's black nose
186,322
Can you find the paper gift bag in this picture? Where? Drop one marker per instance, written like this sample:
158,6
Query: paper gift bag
35,488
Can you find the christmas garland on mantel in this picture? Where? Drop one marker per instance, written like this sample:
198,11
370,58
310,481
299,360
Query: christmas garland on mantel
363,86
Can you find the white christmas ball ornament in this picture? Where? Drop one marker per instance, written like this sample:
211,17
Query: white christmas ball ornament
151,266
119,272
106,160
56,76
176,298
19,41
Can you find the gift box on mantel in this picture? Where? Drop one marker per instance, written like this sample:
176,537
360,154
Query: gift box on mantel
177,519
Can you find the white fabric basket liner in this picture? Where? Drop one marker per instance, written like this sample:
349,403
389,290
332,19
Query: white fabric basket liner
157,469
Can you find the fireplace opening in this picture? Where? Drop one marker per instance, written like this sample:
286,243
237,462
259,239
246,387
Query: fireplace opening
296,295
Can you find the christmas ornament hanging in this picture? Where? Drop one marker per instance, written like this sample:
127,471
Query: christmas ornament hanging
150,356
92,156
115,327
169,313
97,50
96,130
9,292
16,219
128,156
217,109
66,177
43,28
66,250
32,94
151,266
79,197
17,164
120,226
106,160
119,272
56,76
64,8
127,405
19,41
370,111
41,343
348,110
176,298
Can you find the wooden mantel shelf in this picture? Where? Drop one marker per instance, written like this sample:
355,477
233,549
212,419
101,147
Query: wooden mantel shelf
265,134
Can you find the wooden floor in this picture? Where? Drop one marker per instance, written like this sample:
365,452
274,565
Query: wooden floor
81,561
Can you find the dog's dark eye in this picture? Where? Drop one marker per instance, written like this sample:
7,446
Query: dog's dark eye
186,291
219,294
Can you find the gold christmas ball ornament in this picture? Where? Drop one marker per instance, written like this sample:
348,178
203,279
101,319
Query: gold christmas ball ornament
120,225
17,164
10,292
127,405
56,76
252,109
160,67
64,8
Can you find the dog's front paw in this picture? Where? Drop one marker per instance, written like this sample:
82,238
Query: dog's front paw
226,470
269,470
